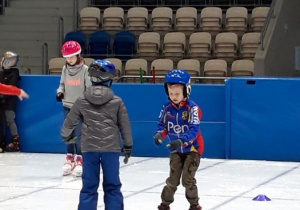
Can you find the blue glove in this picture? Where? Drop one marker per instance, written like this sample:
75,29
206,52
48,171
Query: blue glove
157,139
127,152
69,140
175,144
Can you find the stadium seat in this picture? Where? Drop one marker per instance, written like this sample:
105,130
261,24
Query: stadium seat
258,18
137,20
226,45
211,20
161,20
148,45
124,45
113,19
56,65
186,20
134,67
79,37
215,68
99,44
88,61
118,65
200,46
174,46
237,20
89,19
249,44
240,68
192,66
162,66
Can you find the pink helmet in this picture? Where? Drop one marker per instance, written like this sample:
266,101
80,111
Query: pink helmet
70,48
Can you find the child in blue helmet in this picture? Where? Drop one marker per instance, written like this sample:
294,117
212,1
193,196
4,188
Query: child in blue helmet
103,117
179,121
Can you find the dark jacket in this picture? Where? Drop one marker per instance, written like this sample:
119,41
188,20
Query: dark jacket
9,77
103,117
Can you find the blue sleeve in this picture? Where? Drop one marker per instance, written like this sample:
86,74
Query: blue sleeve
194,125
161,120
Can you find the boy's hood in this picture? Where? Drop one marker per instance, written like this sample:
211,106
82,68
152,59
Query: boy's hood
98,95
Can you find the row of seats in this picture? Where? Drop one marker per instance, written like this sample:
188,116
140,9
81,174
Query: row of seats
186,19
175,45
178,3
134,67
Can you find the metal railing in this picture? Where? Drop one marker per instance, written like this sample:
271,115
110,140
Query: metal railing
45,59
270,15
148,79
75,14
61,33
27,71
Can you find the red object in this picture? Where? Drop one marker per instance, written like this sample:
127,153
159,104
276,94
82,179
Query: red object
9,90
153,75
70,48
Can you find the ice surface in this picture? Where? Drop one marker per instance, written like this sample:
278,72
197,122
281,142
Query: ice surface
34,182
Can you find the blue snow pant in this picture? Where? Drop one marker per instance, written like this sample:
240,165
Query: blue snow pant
113,198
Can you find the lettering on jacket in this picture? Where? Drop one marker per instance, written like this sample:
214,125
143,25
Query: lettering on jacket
75,82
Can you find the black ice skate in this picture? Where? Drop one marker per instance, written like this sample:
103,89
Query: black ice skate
163,207
2,144
14,145
194,207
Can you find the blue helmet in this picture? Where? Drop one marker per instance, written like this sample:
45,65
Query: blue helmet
178,76
102,72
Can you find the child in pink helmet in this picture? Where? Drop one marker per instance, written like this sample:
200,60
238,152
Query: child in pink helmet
73,82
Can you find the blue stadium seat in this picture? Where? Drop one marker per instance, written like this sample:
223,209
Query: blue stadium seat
124,45
77,36
99,45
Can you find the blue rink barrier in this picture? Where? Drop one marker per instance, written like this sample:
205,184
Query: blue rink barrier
241,119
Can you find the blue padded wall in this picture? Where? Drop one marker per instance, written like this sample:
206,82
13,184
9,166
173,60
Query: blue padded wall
264,119
247,118
40,117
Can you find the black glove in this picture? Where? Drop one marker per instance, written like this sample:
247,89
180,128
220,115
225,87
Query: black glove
175,144
59,97
69,140
127,152
157,139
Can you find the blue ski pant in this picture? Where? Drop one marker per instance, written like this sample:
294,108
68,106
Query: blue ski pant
109,162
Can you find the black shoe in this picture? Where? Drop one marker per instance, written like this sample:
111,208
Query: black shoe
194,207
163,207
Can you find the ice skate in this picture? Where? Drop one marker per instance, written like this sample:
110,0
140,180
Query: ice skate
78,167
69,165
163,207
194,207
14,144
2,143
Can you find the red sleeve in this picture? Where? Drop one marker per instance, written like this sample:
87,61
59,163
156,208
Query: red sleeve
9,90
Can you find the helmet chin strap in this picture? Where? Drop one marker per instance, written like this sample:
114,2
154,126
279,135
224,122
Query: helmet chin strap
178,104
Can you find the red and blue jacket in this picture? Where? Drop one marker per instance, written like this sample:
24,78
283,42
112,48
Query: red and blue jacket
182,122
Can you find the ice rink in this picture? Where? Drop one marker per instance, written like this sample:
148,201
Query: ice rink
34,182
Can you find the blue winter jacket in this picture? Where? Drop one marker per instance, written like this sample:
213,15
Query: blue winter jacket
182,122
